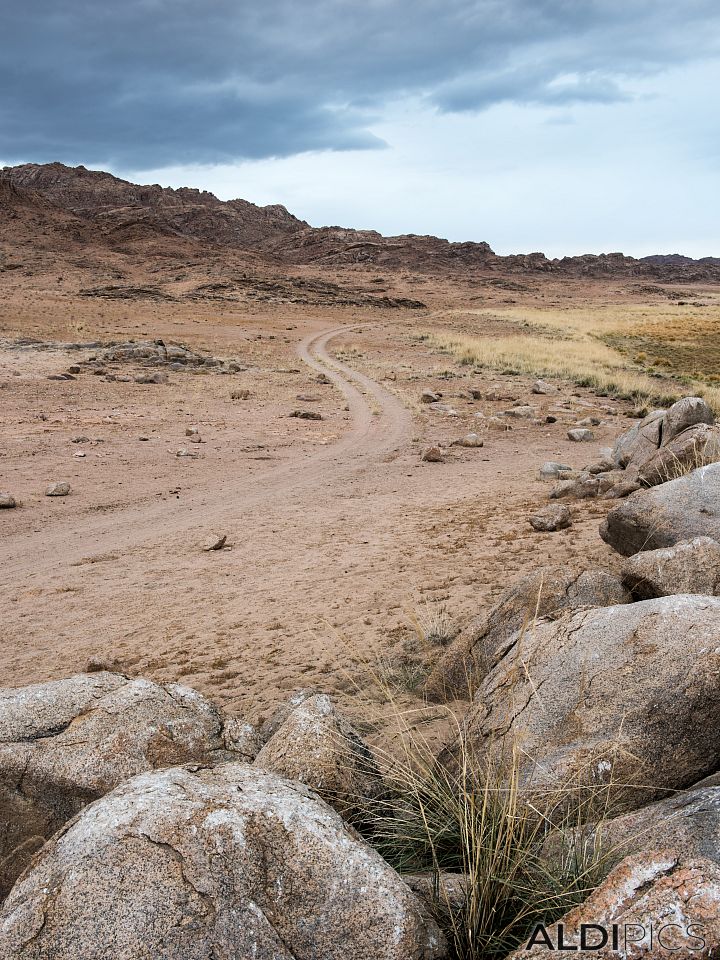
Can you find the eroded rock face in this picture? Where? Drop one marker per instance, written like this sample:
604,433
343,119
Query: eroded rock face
682,509
640,442
320,749
545,592
66,743
666,442
691,566
224,862
684,414
675,896
688,821
623,695
694,447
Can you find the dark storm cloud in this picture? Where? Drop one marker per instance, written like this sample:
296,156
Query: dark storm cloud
147,83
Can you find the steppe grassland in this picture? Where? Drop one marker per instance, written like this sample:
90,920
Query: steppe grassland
647,352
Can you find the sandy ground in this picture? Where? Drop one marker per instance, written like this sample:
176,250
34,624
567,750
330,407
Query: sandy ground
339,535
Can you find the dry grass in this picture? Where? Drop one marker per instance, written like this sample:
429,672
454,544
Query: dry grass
480,827
627,353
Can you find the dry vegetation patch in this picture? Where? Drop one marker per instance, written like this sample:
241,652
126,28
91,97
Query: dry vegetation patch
645,353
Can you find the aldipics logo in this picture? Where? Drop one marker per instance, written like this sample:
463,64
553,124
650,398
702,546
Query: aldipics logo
651,939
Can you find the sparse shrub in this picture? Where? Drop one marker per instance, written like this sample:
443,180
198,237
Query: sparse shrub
433,624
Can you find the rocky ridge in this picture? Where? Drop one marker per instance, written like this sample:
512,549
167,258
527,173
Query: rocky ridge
81,206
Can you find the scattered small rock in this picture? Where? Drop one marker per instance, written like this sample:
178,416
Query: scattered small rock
581,434
443,408
524,412
59,489
469,440
215,542
552,518
434,455
307,415
542,387
80,440
551,470
427,396
240,395
7,502
158,377
184,452
497,423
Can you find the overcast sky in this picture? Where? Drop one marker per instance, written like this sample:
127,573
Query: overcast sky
567,126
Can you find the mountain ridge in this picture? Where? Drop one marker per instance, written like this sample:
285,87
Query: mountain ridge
87,206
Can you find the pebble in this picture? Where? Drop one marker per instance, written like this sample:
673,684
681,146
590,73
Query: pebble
551,470
552,518
433,455
158,377
306,414
59,489
427,396
469,440
215,543
7,502
580,435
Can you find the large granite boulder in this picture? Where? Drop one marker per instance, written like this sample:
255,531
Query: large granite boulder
691,566
682,509
688,821
319,748
662,905
66,743
623,696
544,593
198,864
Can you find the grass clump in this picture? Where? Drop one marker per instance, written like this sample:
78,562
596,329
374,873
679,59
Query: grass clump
481,844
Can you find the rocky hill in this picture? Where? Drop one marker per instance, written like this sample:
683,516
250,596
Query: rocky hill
53,205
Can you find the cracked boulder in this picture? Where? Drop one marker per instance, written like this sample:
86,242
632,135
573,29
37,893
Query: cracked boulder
545,593
689,821
682,509
66,743
664,905
623,697
228,862
694,447
691,566
320,749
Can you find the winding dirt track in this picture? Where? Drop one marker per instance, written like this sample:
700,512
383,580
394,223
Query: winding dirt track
374,432
311,538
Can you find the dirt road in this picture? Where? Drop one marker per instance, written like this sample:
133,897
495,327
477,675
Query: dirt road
334,545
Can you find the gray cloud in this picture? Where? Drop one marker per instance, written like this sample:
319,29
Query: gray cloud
149,83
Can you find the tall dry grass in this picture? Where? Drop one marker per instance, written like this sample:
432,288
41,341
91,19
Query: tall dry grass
472,827
590,347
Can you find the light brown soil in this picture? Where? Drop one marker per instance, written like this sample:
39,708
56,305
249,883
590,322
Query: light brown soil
338,533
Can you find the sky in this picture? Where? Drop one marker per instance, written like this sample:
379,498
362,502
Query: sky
567,126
